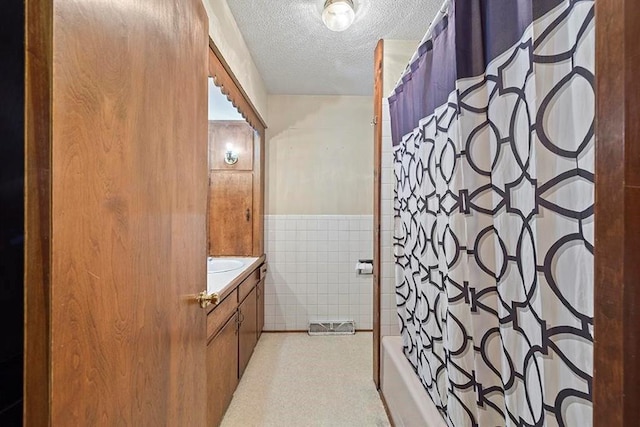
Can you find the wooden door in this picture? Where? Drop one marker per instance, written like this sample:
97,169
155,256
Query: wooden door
222,371
127,137
248,330
377,168
231,213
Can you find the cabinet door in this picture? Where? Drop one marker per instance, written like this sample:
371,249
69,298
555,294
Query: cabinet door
248,329
260,310
231,213
222,371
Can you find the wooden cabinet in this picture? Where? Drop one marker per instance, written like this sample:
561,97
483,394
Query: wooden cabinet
248,331
260,298
233,328
231,213
222,312
260,307
222,370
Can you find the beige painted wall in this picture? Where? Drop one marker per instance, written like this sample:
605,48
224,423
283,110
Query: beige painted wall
319,155
397,54
224,31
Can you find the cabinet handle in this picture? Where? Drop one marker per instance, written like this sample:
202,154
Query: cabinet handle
247,214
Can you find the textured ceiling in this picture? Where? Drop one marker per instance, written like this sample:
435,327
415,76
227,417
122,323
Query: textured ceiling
296,54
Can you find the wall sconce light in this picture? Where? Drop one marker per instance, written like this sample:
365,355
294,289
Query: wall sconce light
230,156
338,15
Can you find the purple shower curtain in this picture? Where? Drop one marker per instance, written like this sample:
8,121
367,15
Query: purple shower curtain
493,133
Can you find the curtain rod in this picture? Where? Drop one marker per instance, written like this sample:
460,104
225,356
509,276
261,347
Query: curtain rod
444,10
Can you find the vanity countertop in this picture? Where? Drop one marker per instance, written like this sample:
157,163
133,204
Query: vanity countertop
224,283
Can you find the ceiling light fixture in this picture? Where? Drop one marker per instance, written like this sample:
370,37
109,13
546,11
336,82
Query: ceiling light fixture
338,15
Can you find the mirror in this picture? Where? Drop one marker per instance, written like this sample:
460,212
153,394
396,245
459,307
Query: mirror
233,145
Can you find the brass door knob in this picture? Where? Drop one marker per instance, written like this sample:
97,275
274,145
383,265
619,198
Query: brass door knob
206,300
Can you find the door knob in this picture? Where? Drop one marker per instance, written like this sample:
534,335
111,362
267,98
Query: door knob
206,300
247,214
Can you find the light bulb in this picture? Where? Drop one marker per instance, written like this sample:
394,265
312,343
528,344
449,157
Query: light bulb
338,15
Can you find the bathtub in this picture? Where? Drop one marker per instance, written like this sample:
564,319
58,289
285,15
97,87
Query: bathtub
408,403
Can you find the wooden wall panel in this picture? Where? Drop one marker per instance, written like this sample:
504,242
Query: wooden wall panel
129,188
231,213
237,133
377,167
617,246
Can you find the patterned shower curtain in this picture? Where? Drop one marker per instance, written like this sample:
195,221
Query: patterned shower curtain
493,131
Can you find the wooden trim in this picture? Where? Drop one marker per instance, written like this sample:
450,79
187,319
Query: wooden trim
386,407
37,277
225,79
377,216
617,220
258,193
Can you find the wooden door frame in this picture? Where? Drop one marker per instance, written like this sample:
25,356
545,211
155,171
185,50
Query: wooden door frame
616,381
226,80
37,278
377,202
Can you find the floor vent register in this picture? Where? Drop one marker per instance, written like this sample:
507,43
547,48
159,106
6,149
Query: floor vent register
347,327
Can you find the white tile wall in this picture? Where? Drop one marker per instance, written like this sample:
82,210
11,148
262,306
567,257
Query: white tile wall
312,275
389,324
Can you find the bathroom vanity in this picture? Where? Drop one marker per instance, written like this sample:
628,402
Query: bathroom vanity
234,326
234,298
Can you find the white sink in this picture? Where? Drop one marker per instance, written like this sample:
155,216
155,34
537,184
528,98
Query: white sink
216,265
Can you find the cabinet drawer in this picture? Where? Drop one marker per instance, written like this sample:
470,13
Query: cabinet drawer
248,284
263,271
219,315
